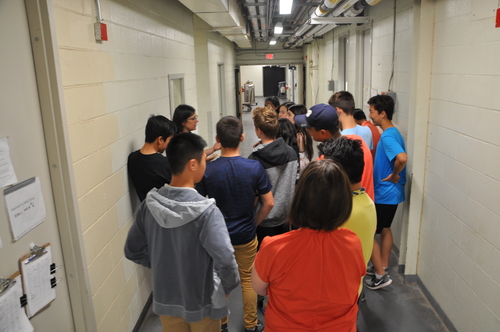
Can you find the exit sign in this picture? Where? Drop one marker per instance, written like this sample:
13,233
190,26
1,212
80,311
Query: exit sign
269,56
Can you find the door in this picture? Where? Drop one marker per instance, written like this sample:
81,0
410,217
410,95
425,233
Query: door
21,122
272,75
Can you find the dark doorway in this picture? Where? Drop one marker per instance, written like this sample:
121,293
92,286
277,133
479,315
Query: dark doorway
272,75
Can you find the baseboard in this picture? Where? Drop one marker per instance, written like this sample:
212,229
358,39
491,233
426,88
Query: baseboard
144,313
446,321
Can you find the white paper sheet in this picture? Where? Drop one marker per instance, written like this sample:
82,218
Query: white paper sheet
36,278
12,316
7,174
25,206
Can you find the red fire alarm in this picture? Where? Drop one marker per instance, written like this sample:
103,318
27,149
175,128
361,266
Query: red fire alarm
269,56
498,19
101,31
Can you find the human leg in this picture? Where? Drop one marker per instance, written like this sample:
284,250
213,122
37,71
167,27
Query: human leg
245,256
376,258
386,246
205,325
174,324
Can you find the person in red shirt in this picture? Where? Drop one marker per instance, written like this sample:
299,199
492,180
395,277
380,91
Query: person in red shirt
360,118
312,274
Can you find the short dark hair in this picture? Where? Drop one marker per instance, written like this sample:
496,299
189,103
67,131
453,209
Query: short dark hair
383,103
286,130
158,126
181,114
359,114
343,100
274,100
266,119
182,148
348,153
298,109
287,104
229,130
323,198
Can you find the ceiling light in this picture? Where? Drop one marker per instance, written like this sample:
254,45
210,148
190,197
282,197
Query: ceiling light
272,42
278,28
286,7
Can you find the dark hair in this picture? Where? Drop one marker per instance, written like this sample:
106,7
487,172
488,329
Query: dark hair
181,114
343,100
229,130
383,103
359,114
158,126
266,119
287,104
299,109
323,198
286,131
182,148
348,153
274,100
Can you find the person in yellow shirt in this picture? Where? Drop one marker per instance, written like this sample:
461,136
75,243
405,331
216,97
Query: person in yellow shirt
363,219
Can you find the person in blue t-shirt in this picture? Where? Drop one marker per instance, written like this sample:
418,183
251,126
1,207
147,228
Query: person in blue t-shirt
389,178
236,184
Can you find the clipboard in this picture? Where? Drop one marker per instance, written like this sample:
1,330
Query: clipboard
38,282
12,315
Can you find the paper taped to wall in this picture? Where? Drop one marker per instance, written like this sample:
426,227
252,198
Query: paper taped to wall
7,174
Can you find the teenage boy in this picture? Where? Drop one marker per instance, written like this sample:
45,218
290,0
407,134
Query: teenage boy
389,177
343,102
322,123
363,219
181,236
235,182
281,163
147,167
360,117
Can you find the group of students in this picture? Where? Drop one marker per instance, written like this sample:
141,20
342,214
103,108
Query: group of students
303,243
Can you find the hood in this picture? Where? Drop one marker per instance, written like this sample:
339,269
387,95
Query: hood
275,153
173,207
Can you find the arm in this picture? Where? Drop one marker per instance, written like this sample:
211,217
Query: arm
399,164
267,203
214,148
136,245
258,285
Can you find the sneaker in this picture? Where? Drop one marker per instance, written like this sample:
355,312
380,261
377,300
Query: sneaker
370,270
223,328
375,283
258,328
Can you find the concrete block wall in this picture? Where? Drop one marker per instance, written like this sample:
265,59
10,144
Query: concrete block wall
110,89
459,259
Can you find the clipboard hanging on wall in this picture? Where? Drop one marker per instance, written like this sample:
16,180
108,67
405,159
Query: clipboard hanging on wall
12,315
38,281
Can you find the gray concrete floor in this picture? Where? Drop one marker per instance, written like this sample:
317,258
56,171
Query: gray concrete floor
397,308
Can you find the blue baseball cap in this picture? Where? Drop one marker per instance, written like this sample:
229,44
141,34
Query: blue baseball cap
321,116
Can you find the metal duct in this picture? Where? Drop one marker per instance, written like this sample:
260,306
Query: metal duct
255,24
263,21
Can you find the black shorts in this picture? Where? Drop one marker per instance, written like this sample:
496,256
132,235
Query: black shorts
385,215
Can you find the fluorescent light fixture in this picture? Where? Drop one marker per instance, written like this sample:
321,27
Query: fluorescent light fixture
286,7
278,28
272,42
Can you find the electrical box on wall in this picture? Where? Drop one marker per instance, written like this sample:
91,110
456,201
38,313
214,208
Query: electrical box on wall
101,31
331,85
391,94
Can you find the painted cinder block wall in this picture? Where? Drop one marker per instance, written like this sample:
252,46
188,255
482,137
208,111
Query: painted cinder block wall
459,258
110,89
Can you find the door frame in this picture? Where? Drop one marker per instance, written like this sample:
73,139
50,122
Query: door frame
49,84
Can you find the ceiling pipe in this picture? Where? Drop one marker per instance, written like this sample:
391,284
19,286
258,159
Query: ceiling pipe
263,21
255,24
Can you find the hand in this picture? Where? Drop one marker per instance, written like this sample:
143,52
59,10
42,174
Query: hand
258,142
217,146
394,178
211,157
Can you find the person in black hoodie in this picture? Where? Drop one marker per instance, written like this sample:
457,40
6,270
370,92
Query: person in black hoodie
280,162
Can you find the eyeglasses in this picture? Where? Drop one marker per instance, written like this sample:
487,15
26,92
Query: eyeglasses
193,118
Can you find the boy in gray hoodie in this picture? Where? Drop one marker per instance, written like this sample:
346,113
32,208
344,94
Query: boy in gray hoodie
182,237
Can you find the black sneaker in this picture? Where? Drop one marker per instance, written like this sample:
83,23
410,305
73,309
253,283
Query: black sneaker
375,283
223,328
258,328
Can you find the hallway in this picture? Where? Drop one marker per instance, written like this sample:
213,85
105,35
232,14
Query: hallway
399,307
